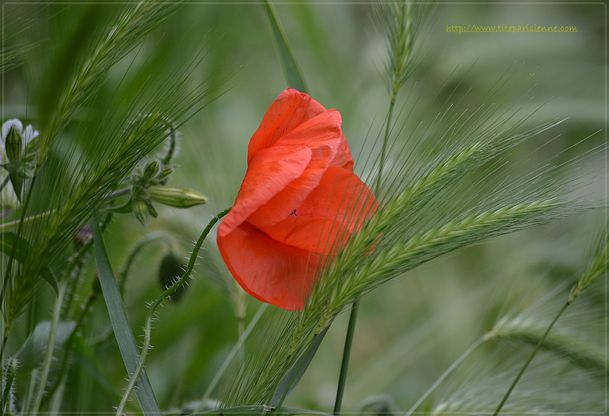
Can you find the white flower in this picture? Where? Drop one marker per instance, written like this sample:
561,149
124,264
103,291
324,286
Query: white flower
28,134
6,128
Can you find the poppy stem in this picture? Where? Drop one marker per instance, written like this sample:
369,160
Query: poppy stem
181,281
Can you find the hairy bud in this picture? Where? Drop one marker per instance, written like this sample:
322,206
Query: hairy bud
170,269
176,197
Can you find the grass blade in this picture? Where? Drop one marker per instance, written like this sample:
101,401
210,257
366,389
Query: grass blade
292,72
297,371
118,318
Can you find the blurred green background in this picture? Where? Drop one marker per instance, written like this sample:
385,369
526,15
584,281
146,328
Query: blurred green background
409,330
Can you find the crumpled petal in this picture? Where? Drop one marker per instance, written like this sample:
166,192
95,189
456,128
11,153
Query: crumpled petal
322,134
326,219
289,110
269,172
267,269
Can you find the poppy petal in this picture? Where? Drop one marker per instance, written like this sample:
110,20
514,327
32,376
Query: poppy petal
316,235
290,109
267,174
343,158
293,195
342,196
338,206
269,270
322,134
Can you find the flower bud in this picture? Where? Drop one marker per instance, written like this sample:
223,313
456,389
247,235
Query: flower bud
176,197
9,125
140,209
170,269
166,171
14,145
83,236
152,169
151,210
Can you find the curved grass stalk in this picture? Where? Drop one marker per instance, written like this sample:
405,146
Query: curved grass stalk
529,360
445,374
76,266
340,283
158,301
422,247
344,365
423,187
562,344
598,267
84,310
48,357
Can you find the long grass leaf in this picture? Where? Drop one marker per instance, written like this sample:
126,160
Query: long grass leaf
297,371
120,325
291,70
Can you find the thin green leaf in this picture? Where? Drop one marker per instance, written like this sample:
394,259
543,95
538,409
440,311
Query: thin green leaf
118,318
289,381
291,70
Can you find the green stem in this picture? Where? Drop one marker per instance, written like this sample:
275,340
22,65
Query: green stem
379,178
8,384
135,251
158,301
48,358
528,361
344,367
9,225
445,374
85,308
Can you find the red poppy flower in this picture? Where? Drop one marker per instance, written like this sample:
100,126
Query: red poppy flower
298,203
